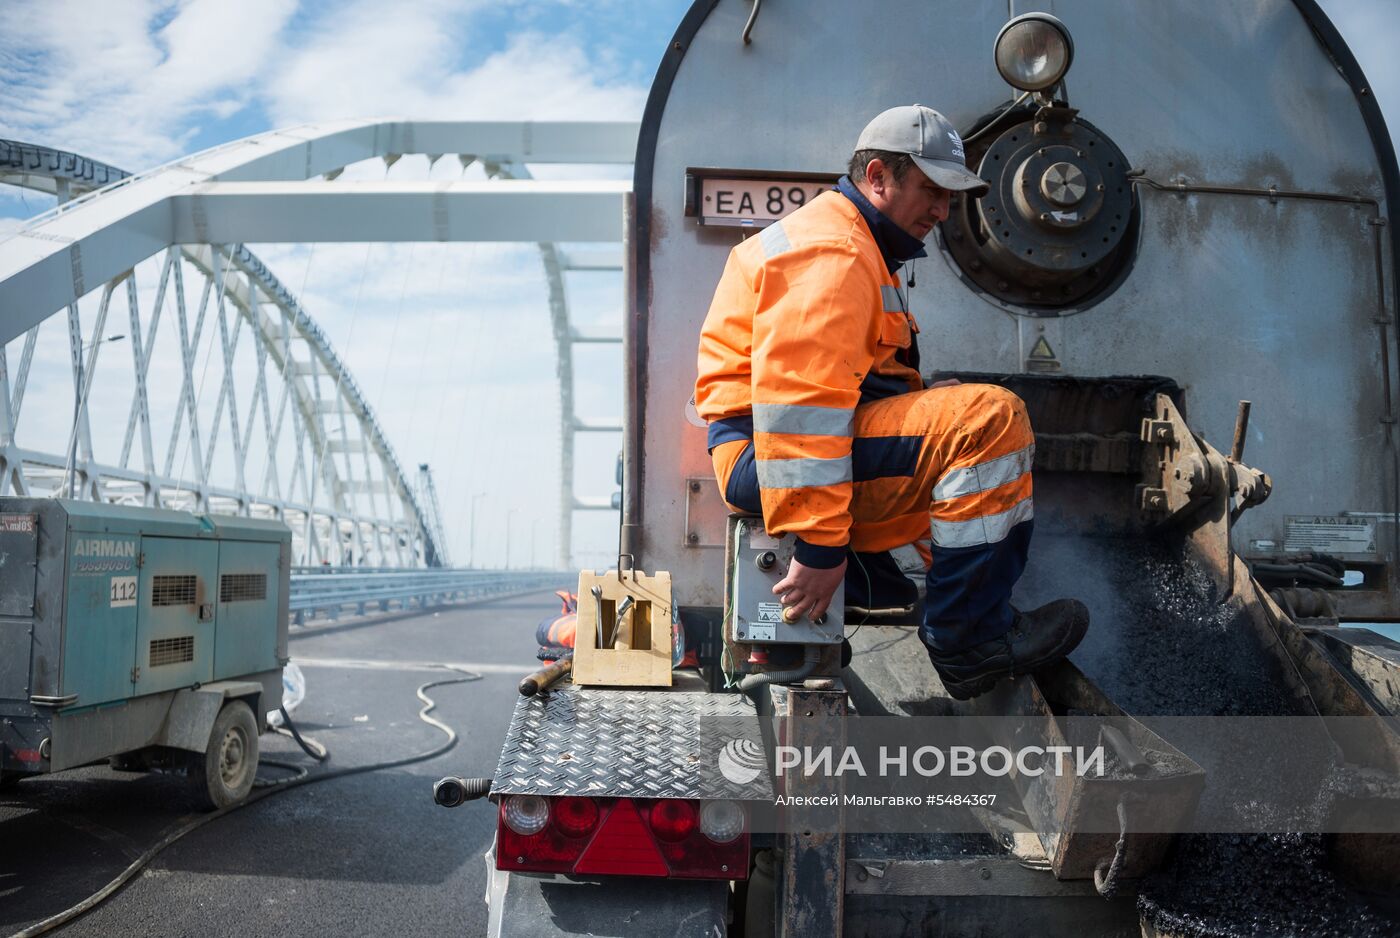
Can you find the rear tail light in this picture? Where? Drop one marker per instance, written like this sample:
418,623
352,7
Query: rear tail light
622,847
576,817
623,837
672,820
721,821
525,814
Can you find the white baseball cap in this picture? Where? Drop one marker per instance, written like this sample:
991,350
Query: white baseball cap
930,139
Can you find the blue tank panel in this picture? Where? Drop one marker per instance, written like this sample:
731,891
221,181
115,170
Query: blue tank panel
100,621
250,593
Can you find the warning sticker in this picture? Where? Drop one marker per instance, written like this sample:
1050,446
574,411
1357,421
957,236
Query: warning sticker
760,539
762,633
18,524
770,612
1041,349
1330,534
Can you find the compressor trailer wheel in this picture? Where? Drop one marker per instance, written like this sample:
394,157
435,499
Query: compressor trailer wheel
224,773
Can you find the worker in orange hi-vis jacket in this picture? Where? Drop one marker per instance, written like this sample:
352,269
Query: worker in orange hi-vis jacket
819,420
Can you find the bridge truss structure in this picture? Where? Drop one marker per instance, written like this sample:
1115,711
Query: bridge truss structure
303,441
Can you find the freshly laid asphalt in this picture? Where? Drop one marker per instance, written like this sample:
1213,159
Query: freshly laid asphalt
368,854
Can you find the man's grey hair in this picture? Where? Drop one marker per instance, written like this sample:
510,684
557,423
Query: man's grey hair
899,164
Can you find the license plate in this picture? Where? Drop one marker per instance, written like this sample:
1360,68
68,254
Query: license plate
753,202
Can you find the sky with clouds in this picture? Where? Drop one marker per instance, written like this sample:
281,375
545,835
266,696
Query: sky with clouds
450,343
137,83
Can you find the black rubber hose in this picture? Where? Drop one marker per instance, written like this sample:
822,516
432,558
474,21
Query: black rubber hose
314,749
308,745
193,824
453,792
811,657
475,788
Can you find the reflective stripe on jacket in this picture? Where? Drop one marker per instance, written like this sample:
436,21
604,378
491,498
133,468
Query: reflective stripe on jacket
807,322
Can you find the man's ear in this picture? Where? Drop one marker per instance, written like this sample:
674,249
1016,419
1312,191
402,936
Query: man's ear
878,174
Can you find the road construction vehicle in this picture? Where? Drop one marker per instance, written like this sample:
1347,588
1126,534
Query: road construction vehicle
149,638
1185,268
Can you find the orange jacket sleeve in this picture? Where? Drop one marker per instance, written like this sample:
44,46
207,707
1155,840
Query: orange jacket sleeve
722,387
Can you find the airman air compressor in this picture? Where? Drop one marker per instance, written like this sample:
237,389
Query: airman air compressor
152,638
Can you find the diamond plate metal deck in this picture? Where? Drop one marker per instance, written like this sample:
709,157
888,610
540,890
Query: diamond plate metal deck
630,744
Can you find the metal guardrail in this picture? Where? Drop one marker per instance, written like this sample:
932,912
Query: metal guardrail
330,590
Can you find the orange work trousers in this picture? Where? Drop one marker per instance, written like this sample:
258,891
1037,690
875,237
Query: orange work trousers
950,466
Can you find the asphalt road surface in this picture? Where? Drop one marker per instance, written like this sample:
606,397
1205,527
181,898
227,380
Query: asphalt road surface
368,854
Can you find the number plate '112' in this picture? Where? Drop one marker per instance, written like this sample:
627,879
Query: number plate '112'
123,591
751,202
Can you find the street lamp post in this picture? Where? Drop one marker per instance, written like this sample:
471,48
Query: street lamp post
79,400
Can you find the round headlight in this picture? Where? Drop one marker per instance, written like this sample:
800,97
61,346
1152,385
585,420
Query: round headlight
1033,51
525,814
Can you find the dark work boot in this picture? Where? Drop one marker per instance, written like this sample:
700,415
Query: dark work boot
1037,638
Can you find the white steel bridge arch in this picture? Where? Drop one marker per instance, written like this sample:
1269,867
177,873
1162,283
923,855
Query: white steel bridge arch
277,187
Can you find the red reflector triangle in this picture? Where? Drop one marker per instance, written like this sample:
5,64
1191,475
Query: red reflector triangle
623,846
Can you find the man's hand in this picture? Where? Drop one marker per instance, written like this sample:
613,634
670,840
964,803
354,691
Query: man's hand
808,590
